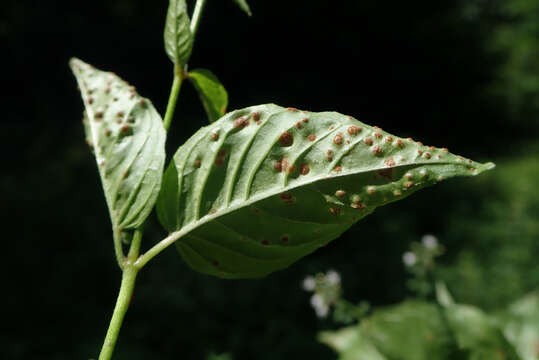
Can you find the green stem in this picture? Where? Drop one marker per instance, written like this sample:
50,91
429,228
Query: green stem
120,257
122,304
173,98
199,6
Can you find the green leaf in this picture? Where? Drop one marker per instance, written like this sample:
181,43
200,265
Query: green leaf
351,344
264,186
127,137
521,326
212,93
178,36
478,334
244,6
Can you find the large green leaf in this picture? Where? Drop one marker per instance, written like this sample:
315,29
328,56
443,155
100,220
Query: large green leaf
127,137
177,35
212,93
521,326
263,186
244,6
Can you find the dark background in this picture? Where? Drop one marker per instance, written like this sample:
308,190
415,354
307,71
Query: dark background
460,74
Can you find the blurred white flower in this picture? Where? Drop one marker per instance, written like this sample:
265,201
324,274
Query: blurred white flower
333,277
429,241
320,307
309,283
409,258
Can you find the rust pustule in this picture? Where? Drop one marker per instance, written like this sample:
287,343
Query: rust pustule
389,139
409,176
399,143
90,101
142,102
214,136
427,155
358,206
337,168
419,151
197,163
311,137
368,141
299,125
329,155
304,169
408,184
340,193
397,193
278,166
378,135
286,139
335,211
255,115
292,109
371,190
377,150
99,115
337,140
305,120
241,122
389,162
107,132
352,130
125,129
287,198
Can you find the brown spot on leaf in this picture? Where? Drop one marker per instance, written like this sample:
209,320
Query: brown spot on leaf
197,163
241,122
99,115
337,140
378,135
214,136
352,130
329,156
377,150
335,211
304,169
278,166
291,169
368,141
292,109
399,143
286,139
427,155
389,162
256,116
340,193
299,125
305,120
389,139
311,137
408,184
371,190
337,168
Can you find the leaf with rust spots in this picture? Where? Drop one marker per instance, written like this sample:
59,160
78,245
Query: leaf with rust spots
297,184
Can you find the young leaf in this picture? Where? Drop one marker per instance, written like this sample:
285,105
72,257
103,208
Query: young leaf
127,137
178,37
264,186
244,6
212,93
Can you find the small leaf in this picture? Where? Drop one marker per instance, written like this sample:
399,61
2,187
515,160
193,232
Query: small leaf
244,6
212,93
264,186
177,35
128,139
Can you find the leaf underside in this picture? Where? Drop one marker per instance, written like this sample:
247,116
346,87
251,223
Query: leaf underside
212,93
264,186
127,136
177,35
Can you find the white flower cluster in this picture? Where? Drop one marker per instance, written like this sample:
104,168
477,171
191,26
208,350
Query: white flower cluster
429,241
325,287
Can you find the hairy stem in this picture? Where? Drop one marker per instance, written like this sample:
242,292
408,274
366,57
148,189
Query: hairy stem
122,304
199,6
173,98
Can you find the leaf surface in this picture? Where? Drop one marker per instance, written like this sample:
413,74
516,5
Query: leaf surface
177,35
264,186
244,6
212,93
127,137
